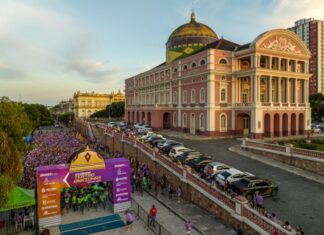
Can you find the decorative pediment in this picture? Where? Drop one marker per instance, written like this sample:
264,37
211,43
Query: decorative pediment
281,43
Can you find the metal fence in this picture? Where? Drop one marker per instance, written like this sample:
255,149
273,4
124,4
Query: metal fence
145,217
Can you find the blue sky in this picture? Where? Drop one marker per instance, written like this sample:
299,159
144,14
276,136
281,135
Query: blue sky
52,48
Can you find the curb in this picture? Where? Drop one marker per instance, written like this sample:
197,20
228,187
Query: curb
277,164
174,212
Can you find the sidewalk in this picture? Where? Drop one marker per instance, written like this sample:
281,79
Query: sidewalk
172,215
291,169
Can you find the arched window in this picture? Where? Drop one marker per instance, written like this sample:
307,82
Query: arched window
223,122
223,61
202,62
184,98
193,65
185,67
175,70
223,95
184,120
201,121
202,95
174,119
174,97
193,96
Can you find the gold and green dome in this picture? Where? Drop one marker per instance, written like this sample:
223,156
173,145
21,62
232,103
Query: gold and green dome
188,38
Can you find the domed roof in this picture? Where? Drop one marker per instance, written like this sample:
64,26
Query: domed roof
192,29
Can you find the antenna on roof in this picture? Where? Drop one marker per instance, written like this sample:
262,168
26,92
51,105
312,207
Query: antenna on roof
193,16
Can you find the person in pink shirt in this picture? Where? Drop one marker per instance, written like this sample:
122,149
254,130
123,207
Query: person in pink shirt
188,227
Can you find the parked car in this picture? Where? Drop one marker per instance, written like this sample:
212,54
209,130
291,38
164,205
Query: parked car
316,130
163,144
231,175
190,157
112,124
249,186
157,141
181,158
166,149
199,163
214,168
176,150
138,125
180,152
154,138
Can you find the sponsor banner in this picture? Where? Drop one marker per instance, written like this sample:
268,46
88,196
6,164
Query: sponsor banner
48,192
121,181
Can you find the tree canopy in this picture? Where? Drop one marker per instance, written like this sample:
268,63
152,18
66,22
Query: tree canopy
317,104
17,120
10,167
114,110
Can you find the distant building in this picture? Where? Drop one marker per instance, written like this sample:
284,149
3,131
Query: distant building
215,87
65,106
86,103
311,31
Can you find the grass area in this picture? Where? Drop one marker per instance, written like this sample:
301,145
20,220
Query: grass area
316,144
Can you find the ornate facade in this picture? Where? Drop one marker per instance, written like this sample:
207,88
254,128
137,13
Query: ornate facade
222,88
86,103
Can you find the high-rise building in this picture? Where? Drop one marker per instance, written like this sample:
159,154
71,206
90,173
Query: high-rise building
215,87
311,31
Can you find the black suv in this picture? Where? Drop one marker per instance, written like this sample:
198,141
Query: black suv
249,186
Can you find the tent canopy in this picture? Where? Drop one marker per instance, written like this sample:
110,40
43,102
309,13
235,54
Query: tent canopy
20,197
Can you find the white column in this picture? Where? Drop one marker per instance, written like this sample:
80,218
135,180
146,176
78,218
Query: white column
270,88
179,103
279,89
305,97
211,102
258,77
288,90
210,92
295,91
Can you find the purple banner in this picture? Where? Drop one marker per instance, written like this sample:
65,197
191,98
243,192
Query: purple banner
121,180
116,170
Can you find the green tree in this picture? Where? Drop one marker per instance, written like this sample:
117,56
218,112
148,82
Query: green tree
117,109
33,114
10,167
317,104
114,110
66,117
15,123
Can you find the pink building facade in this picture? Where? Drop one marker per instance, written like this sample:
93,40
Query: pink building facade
225,89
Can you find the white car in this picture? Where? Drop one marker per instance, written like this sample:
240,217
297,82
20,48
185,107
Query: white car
316,130
176,150
215,168
231,175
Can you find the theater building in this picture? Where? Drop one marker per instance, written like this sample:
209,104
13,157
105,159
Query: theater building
214,87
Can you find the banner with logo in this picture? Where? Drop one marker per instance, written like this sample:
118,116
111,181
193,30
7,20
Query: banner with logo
84,169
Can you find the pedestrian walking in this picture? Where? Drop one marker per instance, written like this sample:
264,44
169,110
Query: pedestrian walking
179,193
287,226
129,221
188,227
170,191
153,212
239,230
299,230
259,202
156,187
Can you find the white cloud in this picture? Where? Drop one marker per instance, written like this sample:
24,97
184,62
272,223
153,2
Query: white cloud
284,13
94,71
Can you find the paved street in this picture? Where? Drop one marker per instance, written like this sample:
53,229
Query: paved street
300,201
